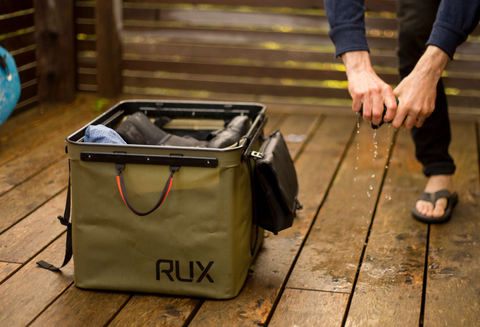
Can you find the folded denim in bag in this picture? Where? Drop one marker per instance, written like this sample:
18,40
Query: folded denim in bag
275,185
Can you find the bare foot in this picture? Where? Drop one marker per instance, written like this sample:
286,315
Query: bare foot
436,183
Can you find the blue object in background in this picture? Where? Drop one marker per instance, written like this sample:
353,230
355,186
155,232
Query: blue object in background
9,85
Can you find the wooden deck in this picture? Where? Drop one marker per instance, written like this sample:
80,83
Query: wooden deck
354,257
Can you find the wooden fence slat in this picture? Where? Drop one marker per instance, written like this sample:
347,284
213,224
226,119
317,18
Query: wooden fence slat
16,23
227,86
225,17
244,52
8,7
241,70
25,58
109,47
27,75
54,36
18,41
454,252
315,167
371,5
202,34
30,290
389,288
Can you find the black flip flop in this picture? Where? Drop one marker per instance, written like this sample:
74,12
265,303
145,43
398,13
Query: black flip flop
452,200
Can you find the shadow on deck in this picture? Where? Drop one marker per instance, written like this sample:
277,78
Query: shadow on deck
354,256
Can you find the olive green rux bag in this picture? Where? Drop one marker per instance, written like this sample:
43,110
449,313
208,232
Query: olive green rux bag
199,242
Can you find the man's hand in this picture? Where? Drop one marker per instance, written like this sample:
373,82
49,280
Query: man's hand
417,92
366,87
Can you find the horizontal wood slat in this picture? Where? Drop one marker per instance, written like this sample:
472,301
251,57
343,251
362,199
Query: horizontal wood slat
371,5
18,41
16,23
202,34
8,7
244,18
273,72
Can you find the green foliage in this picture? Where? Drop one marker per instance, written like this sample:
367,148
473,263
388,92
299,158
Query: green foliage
100,104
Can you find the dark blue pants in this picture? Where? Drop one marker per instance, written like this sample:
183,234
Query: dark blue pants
415,21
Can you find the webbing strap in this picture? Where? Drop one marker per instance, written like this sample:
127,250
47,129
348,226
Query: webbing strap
123,192
64,220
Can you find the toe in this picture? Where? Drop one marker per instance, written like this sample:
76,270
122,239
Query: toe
425,208
440,206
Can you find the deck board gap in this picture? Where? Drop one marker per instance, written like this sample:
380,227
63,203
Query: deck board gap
310,133
109,321
193,313
359,267
425,277
297,256
5,261
38,207
34,174
48,305
313,290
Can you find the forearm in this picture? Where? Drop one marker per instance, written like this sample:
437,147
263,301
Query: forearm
432,63
356,62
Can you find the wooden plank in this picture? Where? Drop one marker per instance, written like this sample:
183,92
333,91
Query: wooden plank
25,198
184,66
229,85
18,41
315,167
331,254
155,310
21,168
263,69
371,5
389,288
309,308
15,23
23,122
28,74
239,18
25,57
78,307
85,45
454,252
8,7
40,228
30,290
54,35
109,47
7,269
25,105
39,131
28,91
235,35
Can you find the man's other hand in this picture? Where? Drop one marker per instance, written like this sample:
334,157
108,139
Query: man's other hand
367,88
